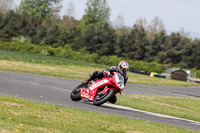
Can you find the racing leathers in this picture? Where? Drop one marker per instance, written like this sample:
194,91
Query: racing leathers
98,75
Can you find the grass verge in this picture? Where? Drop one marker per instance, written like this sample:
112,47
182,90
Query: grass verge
182,107
19,115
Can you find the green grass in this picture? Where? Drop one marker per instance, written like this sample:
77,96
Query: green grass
18,115
143,79
42,59
71,69
182,107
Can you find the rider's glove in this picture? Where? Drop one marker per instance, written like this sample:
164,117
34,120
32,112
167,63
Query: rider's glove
106,73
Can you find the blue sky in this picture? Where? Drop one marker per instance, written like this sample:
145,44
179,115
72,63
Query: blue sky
175,14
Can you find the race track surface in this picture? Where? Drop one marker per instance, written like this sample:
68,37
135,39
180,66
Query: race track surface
57,91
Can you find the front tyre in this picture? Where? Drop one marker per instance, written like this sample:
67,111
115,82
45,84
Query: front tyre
100,98
76,93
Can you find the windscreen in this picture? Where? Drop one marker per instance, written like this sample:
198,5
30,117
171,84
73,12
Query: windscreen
120,80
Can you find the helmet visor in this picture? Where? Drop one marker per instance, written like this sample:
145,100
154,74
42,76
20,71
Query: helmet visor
123,69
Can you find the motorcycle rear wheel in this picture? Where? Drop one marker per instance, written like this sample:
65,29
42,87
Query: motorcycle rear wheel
76,93
100,98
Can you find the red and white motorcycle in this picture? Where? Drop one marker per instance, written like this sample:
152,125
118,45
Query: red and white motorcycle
100,91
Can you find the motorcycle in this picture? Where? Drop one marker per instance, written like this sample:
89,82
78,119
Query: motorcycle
100,91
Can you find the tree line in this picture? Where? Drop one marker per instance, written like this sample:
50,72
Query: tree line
38,22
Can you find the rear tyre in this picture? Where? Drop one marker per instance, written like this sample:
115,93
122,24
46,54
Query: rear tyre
100,98
76,93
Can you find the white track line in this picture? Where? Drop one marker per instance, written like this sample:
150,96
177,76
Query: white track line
150,113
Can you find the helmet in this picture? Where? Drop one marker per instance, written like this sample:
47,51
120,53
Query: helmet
123,67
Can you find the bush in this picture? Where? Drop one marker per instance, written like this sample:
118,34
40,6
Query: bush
147,67
109,60
198,74
22,47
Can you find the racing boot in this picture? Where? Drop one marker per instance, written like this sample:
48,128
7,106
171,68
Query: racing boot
113,99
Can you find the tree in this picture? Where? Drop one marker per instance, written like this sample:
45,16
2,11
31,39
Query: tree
97,13
100,41
43,8
108,38
66,37
141,22
184,33
119,22
11,26
120,27
6,5
189,55
156,26
132,46
70,10
197,55
121,42
194,54
154,47
173,49
68,22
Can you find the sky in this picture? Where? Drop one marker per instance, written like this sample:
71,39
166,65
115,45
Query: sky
175,14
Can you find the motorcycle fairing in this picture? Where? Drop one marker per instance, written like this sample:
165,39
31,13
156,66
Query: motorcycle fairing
90,92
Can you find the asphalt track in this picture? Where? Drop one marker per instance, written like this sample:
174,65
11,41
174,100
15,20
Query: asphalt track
57,91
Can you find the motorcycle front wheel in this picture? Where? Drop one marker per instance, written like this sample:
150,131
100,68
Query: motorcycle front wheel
100,98
76,93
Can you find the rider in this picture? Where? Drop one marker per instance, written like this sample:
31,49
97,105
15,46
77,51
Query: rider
122,69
